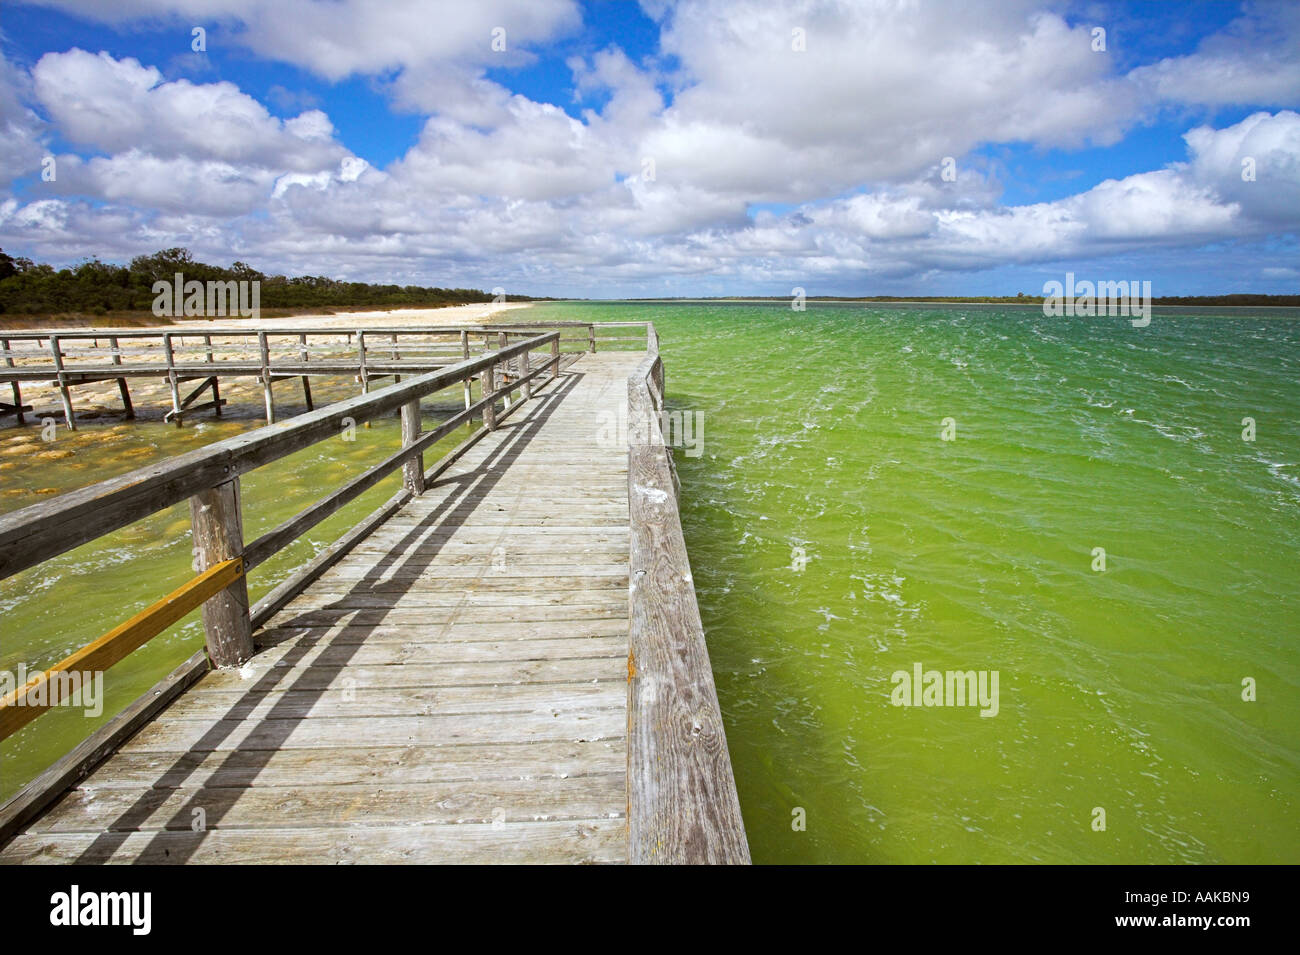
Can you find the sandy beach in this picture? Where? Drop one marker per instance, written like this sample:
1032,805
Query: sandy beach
152,399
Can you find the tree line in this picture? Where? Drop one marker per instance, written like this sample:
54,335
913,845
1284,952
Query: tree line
99,288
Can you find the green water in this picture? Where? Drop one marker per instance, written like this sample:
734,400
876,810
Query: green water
1119,690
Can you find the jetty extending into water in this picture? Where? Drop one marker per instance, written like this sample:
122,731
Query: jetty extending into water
502,663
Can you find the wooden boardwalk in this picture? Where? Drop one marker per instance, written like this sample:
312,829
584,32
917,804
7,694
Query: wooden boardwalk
454,689
504,662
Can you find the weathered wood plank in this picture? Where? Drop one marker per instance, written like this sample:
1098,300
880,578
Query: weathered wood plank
357,702
571,841
363,764
444,730
459,651
356,805
682,802
305,675
456,631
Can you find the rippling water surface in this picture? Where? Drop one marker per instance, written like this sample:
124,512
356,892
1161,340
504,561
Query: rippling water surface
1120,690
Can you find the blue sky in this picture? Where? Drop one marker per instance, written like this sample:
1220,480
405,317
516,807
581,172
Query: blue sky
663,148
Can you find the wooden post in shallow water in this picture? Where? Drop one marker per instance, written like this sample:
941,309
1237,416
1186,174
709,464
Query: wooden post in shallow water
218,536
305,353
172,382
19,408
121,382
267,397
413,469
64,393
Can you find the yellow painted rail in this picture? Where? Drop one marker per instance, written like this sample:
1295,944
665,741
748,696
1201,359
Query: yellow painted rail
45,690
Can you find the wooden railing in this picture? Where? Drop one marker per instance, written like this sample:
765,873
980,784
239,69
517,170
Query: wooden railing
682,802
205,354
209,479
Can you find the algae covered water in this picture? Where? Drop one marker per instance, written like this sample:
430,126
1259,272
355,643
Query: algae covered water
1120,689
1106,517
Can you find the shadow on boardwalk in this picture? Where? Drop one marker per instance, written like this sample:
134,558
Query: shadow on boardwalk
466,490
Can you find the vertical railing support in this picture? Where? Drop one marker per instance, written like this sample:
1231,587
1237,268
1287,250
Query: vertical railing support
502,341
413,469
121,382
18,392
363,373
305,354
267,395
64,393
487,385
555,357
172,382
464,350
591,339
218,536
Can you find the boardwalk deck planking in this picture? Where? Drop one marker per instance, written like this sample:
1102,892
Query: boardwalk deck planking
453,689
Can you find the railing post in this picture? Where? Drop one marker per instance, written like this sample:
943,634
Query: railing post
413,469
267,397
363,375
555,356
487,384
591,339
305,354
172,381
219,535
64,393
18,392
121,382
464,350
502,341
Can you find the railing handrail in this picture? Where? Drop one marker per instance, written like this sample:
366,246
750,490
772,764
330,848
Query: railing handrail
209,479
682,802
198,331
40,531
